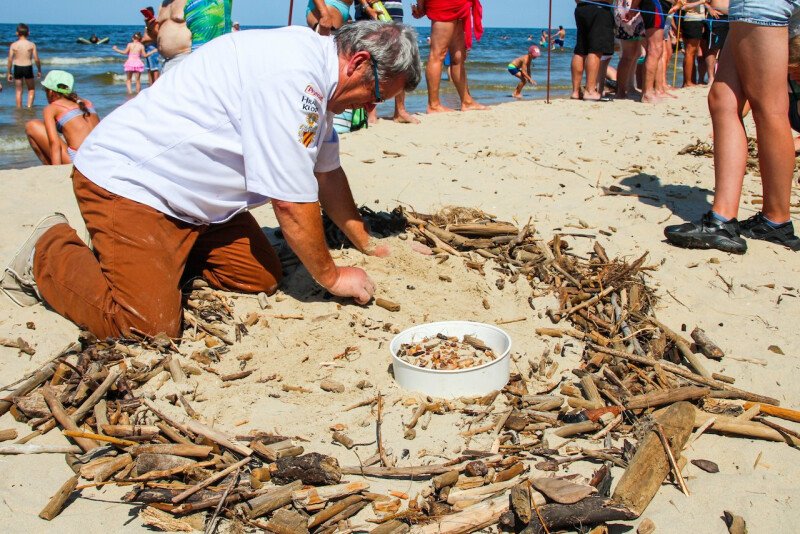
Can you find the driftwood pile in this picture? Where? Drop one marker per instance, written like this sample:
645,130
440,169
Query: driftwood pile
633,403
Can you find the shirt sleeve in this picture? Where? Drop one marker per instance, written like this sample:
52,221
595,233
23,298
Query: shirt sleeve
328,158
280,127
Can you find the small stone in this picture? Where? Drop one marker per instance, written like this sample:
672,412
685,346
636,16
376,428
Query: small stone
706,465
476,469
646,527
363,384
331,386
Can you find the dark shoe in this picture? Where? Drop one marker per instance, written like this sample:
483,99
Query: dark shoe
757,227
708,233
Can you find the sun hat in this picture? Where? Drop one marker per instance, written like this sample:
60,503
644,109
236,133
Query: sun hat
59,81
534,51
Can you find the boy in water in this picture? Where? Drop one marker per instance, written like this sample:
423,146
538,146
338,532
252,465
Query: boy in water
21,56
521,68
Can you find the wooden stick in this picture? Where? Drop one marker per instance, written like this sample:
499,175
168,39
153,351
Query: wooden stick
706,346
669,396
8,434
189,450
35,448
675,469
57,501
60,414
387,304
783,413
585,304
80,434
98,394
683,348
320,495
480,492
699,432
649,467
268,502
37,379
469,520
199,428
685,373
332,510
750,429
210,480
381,450
777,427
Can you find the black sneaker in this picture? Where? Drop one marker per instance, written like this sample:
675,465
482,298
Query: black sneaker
757,227
708,233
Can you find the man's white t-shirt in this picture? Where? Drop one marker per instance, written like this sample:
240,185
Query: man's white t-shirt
241,121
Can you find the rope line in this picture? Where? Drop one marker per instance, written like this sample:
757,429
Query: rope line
675,15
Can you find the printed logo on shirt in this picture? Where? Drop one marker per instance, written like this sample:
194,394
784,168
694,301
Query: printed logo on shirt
313,92
309,105
308,130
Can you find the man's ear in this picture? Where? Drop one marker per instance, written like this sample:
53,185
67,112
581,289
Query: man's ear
356,61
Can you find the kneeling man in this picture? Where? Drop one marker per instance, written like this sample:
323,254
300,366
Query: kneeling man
165,183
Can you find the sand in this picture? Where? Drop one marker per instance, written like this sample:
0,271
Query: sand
518,161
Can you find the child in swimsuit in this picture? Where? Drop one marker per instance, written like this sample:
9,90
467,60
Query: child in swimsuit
521,68
134,66
66,114
327,15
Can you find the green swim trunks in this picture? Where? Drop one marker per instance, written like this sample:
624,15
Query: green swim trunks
207,19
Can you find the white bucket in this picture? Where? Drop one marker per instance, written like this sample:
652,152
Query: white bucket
468,382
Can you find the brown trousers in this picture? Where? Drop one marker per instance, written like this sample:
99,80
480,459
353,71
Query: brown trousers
133,277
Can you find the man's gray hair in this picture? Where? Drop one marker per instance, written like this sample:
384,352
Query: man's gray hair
393,46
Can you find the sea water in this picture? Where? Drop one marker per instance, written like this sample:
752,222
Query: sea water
99,76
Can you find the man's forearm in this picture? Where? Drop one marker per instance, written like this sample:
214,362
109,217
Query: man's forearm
301,224
337,201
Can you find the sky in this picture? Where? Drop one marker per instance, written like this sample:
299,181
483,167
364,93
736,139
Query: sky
496,13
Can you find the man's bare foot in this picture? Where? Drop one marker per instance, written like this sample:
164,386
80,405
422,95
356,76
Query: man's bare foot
689,84
576,95
472,106
666,94
405,117
592,96
650,99
438,108
516,95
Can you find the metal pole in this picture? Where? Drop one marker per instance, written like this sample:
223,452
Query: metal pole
549,47
291,8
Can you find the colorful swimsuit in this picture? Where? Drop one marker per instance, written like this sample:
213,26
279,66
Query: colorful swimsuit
67,116
513,69
343,8
207,19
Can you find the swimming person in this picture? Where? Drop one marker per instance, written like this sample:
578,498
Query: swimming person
66,114
521,68
22,54
134,66
324,16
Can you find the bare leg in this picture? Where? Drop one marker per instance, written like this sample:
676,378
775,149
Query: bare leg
156,75
128,76
37,137
458,66
441,35
711,64
654,42
400,112
576,69
744,75
18,92
138,77
691,46
518,91
372,116
630,52
592,73
31,91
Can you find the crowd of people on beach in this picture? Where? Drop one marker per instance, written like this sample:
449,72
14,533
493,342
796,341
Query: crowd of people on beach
165,184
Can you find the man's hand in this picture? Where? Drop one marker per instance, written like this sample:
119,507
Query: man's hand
10,77
418,9
39,75
377,249
353,282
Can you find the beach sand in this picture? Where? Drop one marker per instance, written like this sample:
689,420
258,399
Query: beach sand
517,161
